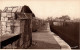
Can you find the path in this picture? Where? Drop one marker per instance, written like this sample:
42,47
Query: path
43,39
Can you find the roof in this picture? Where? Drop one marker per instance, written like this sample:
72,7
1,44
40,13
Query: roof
19,9
13,9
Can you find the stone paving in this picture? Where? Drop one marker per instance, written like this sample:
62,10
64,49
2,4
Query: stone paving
43,39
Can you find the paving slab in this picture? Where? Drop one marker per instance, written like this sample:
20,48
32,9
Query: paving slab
43,39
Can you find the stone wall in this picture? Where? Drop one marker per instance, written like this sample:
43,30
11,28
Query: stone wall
9,25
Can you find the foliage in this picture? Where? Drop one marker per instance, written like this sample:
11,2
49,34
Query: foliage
65,17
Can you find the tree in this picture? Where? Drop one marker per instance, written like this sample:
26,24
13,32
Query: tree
0,14
65,17
49,18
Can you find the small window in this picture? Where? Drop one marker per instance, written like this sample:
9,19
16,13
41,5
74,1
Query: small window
5,9
19,9
14,10
9,10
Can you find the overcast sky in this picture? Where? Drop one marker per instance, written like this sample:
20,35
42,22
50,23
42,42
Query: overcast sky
46,8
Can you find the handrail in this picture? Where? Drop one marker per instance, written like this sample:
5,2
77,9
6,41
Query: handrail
8,39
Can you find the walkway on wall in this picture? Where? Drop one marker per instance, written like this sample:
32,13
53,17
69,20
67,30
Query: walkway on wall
45,39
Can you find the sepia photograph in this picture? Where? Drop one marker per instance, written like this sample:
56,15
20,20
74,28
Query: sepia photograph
40,24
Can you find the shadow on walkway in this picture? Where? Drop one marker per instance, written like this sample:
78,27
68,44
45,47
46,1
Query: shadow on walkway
43,45
42,39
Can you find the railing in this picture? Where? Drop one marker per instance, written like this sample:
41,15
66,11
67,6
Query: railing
9,39
25,33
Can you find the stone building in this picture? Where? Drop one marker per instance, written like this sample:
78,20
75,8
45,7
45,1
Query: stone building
9,18
16,20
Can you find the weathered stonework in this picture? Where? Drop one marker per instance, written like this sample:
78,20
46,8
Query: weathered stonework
16,21
9,24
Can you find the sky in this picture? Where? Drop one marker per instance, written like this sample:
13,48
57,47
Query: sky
47,8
